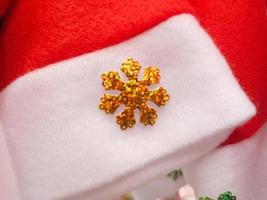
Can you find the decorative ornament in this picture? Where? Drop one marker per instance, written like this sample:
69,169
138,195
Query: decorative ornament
134,94
175,174
224,196
227,196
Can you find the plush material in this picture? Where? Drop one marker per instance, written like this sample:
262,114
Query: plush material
3,7
48,31
37,33
240,168
163,188
64,146
239,29
8,184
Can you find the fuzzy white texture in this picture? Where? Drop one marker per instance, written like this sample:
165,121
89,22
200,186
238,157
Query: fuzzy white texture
8,184
162,188
64,147
240,168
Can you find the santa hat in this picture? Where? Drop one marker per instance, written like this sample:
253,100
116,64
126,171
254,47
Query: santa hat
57,144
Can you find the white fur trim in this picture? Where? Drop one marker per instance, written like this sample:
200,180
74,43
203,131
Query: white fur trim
8,185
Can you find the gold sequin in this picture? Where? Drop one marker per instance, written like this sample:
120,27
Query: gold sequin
134,94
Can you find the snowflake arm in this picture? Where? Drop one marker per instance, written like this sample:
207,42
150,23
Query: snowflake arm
126,118
159,96
112,80
131,68
148,115
151,76
109,103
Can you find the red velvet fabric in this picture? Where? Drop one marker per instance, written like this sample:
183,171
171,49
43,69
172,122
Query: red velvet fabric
37,33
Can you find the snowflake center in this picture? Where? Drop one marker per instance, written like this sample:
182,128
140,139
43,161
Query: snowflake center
135,94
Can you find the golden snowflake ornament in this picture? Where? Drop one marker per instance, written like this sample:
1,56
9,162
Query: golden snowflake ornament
134,94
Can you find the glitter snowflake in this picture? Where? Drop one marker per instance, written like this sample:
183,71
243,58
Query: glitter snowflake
134,94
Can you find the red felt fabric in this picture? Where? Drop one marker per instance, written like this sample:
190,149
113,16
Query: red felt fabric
239,28
37,33
3,7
